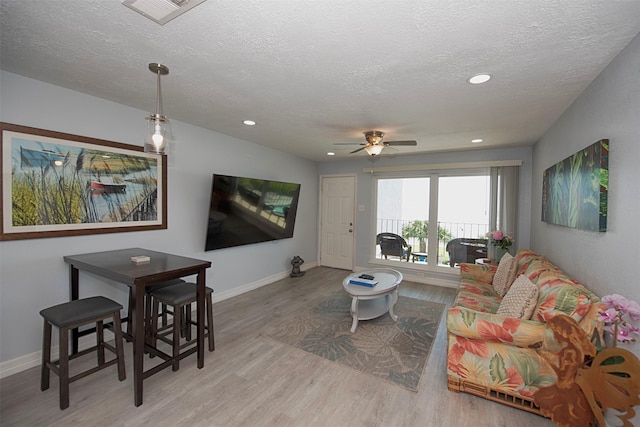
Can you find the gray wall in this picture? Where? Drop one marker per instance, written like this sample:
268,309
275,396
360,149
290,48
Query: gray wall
609,108
32,272
364,227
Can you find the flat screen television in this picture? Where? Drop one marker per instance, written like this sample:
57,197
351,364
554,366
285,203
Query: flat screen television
244,210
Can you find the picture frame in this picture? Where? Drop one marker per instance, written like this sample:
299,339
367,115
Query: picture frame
575,190
57,184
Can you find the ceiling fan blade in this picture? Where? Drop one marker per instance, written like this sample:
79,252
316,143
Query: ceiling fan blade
359,149
405,143
348,143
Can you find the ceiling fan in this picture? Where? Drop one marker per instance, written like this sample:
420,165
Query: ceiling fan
375,144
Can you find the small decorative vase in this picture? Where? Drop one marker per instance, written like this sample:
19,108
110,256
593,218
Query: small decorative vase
491,252
499,253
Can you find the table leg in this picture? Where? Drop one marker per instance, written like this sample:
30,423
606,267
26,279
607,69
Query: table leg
354,313
73,283
200,295
138,342
394,300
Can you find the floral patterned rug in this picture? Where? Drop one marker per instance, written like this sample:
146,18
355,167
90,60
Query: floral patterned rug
393,351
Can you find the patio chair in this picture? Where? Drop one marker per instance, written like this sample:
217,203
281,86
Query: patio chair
393,245
466,250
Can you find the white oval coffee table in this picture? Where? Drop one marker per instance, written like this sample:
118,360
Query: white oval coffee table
369,303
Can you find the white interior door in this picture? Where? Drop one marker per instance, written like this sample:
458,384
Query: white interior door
336,222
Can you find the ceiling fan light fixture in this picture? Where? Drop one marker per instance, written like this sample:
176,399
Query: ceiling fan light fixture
158,127
477,140
374,137
374,149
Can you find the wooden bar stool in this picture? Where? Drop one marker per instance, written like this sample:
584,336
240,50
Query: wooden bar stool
147,306
180,297
71,315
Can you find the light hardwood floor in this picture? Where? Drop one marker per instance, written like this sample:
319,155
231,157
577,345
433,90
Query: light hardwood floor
252,380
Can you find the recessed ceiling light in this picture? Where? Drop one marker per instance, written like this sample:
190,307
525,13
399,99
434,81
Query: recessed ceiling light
479,79
249,122
477,140
331,153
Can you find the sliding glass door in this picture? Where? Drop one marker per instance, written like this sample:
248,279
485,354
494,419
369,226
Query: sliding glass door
441,219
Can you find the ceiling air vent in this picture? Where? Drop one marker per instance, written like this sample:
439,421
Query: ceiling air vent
161,11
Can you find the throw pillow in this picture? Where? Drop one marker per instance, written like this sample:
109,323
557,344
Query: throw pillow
505,274
521,299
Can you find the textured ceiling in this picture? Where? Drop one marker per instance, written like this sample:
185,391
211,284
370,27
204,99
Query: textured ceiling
315,73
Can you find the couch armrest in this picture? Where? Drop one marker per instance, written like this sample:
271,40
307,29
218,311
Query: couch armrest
478,272
493,328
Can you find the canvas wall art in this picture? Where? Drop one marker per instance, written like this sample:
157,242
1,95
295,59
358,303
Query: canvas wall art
574,191
56,184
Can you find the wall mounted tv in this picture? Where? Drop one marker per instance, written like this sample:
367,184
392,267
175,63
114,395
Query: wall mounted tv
243,211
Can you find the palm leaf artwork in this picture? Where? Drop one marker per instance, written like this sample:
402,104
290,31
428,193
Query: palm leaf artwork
575,189
575,184
558,198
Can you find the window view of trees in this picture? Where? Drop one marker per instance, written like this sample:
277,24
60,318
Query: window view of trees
461,211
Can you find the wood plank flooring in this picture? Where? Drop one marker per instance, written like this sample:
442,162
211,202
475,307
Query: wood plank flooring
252,380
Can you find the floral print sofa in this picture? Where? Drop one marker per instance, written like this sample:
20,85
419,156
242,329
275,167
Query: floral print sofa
500,358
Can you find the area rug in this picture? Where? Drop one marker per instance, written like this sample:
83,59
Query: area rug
393,351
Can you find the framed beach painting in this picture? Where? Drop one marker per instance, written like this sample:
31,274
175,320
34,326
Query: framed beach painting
56,184
575,190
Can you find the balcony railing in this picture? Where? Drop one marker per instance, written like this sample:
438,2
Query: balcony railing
450,230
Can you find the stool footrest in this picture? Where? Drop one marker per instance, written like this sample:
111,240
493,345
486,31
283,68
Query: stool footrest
167,363
93,370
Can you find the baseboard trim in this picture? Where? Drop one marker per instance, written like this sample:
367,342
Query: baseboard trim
421,277
431,281
230,293
31,360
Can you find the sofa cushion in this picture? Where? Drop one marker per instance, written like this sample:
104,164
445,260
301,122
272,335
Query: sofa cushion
520,300
477,296
560,294
525,258
505,275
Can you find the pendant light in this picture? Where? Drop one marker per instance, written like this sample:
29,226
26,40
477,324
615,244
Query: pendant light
158,131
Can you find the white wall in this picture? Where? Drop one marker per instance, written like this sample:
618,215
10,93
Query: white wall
609,108
33,274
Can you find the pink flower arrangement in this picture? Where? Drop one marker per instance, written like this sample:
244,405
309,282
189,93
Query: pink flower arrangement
618,306
498,238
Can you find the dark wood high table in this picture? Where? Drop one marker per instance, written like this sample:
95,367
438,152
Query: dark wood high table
117,265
